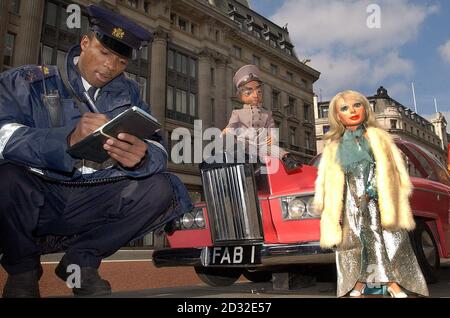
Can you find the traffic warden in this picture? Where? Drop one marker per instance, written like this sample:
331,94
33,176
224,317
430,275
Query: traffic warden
52,201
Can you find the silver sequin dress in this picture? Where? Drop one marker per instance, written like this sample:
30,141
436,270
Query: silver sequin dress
368,253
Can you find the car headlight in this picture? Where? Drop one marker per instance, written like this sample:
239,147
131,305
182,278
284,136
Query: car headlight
200,219
187,221
297,207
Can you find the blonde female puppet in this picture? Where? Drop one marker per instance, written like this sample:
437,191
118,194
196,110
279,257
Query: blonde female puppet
362,192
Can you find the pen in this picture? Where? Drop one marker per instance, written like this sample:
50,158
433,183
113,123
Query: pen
90,103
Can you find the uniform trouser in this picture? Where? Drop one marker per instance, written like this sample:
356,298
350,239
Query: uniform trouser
101,218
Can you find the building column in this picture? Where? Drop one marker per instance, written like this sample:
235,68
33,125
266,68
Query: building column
221,92
229,89
28,39
4,17
158,73
204,88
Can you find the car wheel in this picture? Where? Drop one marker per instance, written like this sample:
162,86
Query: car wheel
257,276
217,277
426,251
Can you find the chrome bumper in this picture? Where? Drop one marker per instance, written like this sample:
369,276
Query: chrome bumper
271,255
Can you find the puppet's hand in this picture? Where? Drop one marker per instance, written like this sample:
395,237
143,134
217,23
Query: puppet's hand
224,132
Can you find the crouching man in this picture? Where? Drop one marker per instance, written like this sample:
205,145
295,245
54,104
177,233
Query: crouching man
90,210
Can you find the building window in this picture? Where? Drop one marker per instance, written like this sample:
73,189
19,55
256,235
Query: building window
193,68
132,3
9,49
237,52
293,136
323,111
182,64
304,83
14,6
50,14
275,100
213,76
273,43
256,60
325,129
182,24
170,59
257,32
47,55
393,124
289,76
307,112
169,101
181,86
143,87
308,140
193,105
290,108
181,101
217,36
60,58
193,29
274,69
173,18
147,7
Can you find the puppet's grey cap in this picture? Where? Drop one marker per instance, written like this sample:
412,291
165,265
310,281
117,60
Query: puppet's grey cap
246,74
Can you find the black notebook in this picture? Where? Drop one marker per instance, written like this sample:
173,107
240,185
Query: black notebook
133,121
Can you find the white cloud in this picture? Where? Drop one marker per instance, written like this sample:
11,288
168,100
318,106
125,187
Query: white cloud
392,65
342,72
317,25
444,50
350,55
398,89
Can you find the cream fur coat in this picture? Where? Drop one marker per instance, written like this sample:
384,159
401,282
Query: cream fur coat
393,186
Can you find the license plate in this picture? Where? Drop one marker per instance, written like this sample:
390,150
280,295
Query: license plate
234,255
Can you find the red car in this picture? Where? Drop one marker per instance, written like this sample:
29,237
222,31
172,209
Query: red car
255,224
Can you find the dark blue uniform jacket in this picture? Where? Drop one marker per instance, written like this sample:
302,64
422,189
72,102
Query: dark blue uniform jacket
28,138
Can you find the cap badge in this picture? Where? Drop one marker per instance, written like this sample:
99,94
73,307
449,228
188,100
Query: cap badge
118,33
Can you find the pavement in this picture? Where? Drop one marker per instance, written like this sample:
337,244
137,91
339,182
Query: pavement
133,275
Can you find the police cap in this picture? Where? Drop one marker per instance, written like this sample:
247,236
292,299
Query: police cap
117,32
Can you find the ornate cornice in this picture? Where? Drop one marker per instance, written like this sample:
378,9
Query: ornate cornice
160,34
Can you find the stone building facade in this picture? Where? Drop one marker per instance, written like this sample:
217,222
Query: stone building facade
398,120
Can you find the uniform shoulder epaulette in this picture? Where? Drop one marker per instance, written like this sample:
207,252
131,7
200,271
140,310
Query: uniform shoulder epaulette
33,73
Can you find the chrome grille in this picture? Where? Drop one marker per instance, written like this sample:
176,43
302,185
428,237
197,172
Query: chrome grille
232,203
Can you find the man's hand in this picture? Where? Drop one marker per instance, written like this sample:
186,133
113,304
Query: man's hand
88,123
128,150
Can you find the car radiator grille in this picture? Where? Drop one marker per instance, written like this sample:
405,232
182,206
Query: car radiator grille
232,203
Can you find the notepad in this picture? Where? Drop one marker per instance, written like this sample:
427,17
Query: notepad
133,121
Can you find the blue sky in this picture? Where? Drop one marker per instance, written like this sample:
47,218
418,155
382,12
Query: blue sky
411,45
